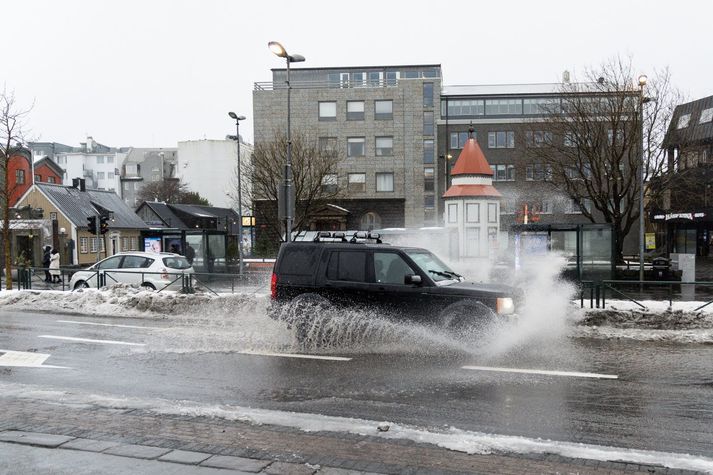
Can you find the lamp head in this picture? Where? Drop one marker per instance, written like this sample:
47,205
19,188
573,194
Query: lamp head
642,80
295,58
277,49
233,115
240,117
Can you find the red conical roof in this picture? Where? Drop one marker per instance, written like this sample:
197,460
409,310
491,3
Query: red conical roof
471,160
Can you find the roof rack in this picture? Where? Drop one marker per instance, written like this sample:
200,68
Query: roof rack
341,236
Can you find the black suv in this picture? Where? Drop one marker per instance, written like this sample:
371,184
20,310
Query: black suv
404,282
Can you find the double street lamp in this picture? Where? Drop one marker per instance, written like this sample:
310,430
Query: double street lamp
287,207
237,119
642,100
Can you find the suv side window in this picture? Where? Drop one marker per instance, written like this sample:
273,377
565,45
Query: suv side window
136,262
111,263
300,259
347,265
390,268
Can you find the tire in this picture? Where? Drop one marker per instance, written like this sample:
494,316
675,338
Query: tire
81,285
305,313
467,319
148,286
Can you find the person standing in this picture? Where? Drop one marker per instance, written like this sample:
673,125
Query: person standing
54,266
46,262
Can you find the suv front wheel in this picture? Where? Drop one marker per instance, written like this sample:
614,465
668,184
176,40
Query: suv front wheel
466,318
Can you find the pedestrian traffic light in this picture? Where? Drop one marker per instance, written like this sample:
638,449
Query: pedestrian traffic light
92,224
103,224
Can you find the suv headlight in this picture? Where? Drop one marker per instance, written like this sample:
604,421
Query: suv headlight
505,306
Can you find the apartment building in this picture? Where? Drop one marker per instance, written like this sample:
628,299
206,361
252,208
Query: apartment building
382,120
145,165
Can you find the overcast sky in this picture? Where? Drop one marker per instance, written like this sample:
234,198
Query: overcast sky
152,73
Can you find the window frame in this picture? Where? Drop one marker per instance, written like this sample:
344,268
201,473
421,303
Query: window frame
326,118
351,184
376,179
356,115
379,151
356,140
384,115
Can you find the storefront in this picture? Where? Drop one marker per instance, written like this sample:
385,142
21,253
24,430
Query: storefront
686,232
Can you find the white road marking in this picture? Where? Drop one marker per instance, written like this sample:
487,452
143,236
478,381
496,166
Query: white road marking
574,374
109,325
89,340
295,355
25,359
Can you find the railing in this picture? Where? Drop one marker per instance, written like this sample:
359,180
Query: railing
347,84
636,291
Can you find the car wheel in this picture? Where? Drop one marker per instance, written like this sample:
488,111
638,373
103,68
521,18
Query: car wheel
467,318
307,313
81,285
148,286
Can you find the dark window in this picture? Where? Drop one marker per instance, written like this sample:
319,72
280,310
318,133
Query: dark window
390,268
428,151
19,177
356,147
300,259
347,265
38,178
136,262
458,139
502,139
428,123
428,94
328,145
428,179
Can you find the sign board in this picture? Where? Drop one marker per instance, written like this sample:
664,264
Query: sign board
650,239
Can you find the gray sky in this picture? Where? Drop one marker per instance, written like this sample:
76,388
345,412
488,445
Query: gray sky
150,73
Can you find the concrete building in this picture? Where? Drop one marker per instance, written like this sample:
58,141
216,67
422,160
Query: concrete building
381,119
145,165
209,167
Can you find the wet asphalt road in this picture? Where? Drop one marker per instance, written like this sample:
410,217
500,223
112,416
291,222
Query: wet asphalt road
662,399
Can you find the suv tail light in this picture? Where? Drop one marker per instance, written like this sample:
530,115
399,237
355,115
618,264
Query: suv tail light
273,286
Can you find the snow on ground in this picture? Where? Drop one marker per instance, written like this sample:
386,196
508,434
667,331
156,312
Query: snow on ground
450,438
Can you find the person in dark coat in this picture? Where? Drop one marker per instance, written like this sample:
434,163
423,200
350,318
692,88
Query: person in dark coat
46,253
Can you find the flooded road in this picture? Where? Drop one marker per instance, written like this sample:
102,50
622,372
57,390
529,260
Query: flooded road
640,395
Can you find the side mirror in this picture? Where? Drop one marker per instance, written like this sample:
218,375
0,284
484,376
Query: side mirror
412,279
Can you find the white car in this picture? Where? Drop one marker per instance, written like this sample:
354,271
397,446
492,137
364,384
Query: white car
152,270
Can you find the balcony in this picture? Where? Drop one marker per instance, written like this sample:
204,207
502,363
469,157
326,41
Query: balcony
340,84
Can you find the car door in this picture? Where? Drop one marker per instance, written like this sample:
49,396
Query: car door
390,288
345,280
133,268
106,267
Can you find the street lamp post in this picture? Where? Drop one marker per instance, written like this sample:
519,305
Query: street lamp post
238,118
642,82
281,52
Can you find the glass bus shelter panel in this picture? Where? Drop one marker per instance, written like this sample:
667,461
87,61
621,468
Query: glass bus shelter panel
596,254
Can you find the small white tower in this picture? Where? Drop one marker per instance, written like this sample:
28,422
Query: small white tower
473,203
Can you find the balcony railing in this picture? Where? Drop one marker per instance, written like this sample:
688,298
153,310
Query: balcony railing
346,84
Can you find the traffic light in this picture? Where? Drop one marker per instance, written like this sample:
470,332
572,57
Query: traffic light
104,224
92,224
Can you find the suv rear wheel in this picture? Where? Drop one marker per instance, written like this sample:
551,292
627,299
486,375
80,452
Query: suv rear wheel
466,318
307,313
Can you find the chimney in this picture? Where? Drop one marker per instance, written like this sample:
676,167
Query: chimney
75,182
565,77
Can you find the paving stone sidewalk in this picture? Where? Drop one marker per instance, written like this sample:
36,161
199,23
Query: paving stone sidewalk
247,448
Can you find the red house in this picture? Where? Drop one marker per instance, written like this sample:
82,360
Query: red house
21,177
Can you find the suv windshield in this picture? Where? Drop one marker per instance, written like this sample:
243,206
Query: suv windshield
432,265
176,262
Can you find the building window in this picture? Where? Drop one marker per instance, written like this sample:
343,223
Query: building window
370,221
358,79
100,160
428,123
538,138
329,183
706,116
619,137
356,182
472,241
356,147
19,177
384,146
427,94
328,111
574,208
472,212
110,175
503,172
452,212
376,78
428,179
50,179
683,121
503,107
429,201
538,172
502,139
83,244
124,244
465,107
383,110
384,182
458,139
541,106
355,110
38,179
95,245
134,242
492,212
428,151
109,159
411,74
328,145
570,140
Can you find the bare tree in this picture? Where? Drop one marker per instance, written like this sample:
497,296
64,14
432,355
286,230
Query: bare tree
170,191
313,172
12,119
589,146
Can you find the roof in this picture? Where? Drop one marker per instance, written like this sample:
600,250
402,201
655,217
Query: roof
379,67
51,164
471,160
78,205
464,191
138,155
164,212
694,133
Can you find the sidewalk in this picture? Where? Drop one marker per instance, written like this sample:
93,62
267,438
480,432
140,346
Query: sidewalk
126,441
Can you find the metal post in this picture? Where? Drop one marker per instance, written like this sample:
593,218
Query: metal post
98,233
641,185
240,203
288,166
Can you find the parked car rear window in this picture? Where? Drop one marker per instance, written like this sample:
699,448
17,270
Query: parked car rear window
136,262
299,259
176,262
